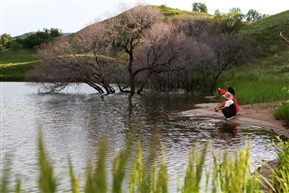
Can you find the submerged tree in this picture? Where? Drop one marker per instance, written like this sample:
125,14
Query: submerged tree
126,33
163,57
81,58
96,54
99,55
138,48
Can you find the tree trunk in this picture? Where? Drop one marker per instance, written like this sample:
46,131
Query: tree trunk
131,75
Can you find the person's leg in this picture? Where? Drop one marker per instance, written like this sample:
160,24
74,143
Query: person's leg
228,113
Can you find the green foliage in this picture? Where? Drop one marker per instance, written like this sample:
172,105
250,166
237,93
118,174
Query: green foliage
172,13
235,175
280,179
162,182
259,82
47,182
282,112
230,22
95,177
74,181
194,170
266,31
200,7
34,40
14,66
5,175
120,163
253,15
228,173
5,40
18,186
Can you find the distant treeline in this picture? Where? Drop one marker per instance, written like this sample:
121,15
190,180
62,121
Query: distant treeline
32,40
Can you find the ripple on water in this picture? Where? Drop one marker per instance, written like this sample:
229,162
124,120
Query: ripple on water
74,122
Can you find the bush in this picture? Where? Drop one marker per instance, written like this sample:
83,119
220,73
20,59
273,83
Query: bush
282,113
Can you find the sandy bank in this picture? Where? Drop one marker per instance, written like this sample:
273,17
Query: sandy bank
254,115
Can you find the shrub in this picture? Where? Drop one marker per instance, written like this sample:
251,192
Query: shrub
282,113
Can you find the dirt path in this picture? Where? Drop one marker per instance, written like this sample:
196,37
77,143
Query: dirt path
254,115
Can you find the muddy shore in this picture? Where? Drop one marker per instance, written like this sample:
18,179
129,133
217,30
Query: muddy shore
254,115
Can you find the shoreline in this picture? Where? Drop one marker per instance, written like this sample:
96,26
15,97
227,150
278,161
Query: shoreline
260,115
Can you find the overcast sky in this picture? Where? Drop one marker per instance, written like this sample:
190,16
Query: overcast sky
22,16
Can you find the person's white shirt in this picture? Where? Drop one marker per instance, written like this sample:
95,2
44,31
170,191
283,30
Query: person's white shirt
229,102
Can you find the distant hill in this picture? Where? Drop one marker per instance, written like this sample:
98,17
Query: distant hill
29,33
266,31
23,35
176,13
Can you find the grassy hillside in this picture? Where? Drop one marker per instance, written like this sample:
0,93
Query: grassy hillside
14,65
171,13
266,31
267,79
261,81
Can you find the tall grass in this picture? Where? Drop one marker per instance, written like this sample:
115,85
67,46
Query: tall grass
282,112
280,177
226,174
259,82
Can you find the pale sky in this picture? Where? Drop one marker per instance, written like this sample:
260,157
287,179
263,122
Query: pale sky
22,16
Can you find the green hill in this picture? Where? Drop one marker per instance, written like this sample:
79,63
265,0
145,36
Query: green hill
266,31
171,13
14,65
267,76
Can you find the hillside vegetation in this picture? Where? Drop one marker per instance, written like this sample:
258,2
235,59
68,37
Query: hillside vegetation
260,81
14,65
266,31
171,13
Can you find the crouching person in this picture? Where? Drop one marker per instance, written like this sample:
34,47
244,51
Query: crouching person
228,108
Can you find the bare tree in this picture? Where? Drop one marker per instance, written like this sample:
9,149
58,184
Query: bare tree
162,58
81,58
228,50
126,32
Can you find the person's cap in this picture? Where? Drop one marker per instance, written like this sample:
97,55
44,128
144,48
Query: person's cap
228,96
222,91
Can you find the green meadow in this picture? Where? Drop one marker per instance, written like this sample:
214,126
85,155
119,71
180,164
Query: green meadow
15,65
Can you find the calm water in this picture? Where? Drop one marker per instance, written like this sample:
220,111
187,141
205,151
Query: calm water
73,123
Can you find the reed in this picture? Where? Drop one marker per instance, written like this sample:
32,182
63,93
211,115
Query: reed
227,173
47,182
280,177
194,170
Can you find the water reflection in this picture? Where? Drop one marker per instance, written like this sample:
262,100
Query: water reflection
228,133
74,122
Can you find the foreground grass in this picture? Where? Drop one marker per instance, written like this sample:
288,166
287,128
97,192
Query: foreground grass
226,174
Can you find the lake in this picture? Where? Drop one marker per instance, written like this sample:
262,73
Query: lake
74,121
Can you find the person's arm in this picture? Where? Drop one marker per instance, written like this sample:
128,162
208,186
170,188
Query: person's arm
220,106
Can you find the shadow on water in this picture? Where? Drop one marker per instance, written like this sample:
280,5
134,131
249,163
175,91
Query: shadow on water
73,123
